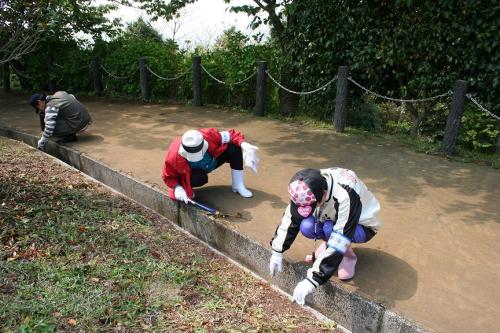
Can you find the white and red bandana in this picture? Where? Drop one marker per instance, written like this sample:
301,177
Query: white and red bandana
300,193
302,196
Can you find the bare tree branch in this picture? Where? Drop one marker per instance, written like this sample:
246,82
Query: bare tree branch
19,45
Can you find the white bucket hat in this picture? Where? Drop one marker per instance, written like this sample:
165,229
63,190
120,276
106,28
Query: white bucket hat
193,146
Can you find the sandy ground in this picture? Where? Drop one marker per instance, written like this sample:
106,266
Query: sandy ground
436,258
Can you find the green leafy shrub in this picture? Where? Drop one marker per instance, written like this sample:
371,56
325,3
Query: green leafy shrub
399,48
121,58
232,59
478,131
433,126
365,116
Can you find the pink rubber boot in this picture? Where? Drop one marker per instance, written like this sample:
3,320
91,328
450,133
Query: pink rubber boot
310,258
347,265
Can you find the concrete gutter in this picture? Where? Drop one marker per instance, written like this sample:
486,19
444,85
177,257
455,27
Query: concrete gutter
352,311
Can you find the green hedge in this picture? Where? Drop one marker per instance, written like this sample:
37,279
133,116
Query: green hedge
409,49
400,49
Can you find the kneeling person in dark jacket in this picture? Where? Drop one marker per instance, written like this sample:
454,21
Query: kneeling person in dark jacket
61,115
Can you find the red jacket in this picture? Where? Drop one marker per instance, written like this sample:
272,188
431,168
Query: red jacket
176,169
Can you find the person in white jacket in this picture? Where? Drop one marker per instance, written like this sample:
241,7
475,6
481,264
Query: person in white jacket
329,204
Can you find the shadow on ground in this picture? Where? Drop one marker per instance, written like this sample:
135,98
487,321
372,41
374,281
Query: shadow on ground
378,273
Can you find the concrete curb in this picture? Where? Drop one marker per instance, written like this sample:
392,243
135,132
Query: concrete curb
333,300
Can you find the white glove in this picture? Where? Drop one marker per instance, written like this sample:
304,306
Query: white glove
180,194
276,263
250,156
41,143
303,288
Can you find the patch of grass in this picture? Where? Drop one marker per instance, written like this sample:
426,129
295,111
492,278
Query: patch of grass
303,120
465,155
74,256
428,146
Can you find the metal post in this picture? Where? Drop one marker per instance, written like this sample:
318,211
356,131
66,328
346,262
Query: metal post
144,74
339,117
6,76
260,95
50,66
197,81
97,76
454,116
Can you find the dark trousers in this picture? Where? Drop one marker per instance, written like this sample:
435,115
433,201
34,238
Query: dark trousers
232,155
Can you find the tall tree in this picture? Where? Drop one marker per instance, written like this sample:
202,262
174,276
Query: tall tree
144,30
25,24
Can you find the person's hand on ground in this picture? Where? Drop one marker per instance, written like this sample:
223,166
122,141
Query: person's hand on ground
276,263
250,156
303,288
180,194
41,144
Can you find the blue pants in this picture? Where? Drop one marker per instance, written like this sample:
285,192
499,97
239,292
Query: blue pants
322,230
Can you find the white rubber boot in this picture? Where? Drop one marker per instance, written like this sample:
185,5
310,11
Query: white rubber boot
238,185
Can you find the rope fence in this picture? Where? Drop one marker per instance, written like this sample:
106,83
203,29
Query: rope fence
62,67
323,87
113,76
226,83
482,108
167,78
458,95
418,100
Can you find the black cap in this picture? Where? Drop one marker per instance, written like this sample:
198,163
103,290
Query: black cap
305,189
35,98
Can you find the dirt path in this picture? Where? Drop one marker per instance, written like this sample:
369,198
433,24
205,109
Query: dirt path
437,256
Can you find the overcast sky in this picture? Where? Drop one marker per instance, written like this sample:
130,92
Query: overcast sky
200,23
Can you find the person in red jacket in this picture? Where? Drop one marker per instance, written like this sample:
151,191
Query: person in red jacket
190,158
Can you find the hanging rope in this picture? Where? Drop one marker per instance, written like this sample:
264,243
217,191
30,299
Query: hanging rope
79,68
482,108
223,82
301,92
449,93
167,78
113,75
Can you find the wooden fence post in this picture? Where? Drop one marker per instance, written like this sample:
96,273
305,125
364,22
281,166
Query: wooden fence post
6,76
50,67
97,76
340,114
454,116
197,81
144,76
260,90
